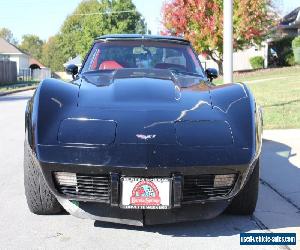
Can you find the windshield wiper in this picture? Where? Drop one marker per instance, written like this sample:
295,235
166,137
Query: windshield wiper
99,71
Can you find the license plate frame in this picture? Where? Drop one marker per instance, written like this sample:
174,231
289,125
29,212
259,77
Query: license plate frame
156,193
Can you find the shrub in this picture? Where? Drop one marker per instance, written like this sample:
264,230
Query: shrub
290,59
257,62
296,42
296,49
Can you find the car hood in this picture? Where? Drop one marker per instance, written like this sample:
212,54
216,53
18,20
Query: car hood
152,110
143,90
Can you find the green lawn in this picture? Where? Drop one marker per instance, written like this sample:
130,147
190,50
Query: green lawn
6,88
277,91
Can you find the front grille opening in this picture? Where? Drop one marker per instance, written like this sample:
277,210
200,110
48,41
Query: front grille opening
202,187
97,187
92,187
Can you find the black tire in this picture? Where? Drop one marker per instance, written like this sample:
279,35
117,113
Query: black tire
245,202
40,200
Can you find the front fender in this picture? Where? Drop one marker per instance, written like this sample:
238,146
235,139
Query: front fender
237,104
49,105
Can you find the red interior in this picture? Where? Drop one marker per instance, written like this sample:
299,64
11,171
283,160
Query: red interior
110,65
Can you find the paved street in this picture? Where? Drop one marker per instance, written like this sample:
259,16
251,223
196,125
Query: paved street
277,210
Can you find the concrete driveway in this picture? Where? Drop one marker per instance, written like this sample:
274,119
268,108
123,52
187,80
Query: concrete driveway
277,210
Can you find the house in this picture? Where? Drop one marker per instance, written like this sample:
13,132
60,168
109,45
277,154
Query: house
290,24
280,41
9,52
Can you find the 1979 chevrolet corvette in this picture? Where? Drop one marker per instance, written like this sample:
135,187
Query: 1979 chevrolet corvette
142,136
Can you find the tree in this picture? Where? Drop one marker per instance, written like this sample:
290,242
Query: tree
33,45
8,36
201,22
92,18
52,56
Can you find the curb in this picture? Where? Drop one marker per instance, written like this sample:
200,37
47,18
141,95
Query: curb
17,91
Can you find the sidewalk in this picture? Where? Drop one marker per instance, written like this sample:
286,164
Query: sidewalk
278,207
280,163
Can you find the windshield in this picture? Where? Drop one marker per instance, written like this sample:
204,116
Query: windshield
139,54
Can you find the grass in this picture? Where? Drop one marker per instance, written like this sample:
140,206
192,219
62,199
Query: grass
277,91
6,88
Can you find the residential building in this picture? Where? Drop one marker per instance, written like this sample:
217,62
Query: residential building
9,52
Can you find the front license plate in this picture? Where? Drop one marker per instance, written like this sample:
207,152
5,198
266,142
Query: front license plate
145,193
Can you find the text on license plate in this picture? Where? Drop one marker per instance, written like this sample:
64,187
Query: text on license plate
145,193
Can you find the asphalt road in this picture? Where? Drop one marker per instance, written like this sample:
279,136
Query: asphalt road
277,210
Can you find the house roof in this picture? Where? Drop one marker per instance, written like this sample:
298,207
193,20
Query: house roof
76,61
291,18
34,61
8,48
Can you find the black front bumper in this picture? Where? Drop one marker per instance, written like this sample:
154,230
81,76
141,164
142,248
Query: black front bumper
109,210
177,174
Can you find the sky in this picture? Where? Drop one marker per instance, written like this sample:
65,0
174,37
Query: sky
45,17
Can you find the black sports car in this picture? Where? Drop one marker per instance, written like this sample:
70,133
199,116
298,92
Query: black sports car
142,136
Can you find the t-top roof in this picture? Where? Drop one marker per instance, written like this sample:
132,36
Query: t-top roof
142,37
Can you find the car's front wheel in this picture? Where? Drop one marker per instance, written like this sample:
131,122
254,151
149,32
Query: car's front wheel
245,202
40,200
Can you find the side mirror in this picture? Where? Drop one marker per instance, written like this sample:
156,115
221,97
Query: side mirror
211,74
72,70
